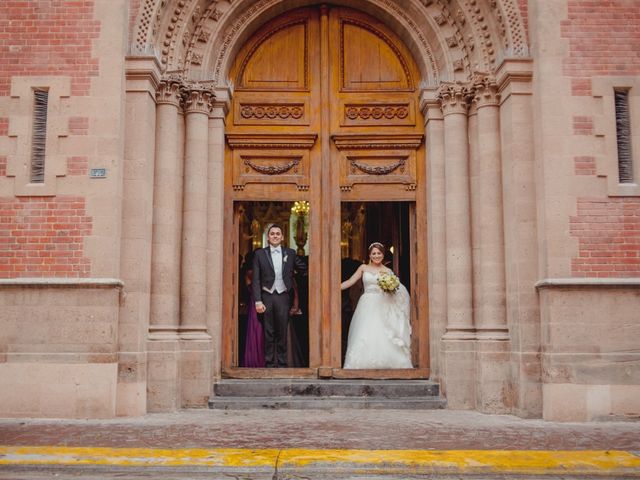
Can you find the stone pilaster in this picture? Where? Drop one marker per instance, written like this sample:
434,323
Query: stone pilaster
142,77
163,389
436,244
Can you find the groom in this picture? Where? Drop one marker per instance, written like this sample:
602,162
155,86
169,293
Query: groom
272,284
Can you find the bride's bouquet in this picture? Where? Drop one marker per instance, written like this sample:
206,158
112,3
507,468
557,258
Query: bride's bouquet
388,282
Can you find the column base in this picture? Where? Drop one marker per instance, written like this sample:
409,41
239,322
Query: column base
495,392
163,332
494,333
196,359
459,373
163,379
194,332
459,333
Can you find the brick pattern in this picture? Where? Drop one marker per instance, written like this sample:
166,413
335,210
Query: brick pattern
43,237
4,126
608,233
3,166
604,38
78,125
585,165
582,125
77,165
48,37
581,87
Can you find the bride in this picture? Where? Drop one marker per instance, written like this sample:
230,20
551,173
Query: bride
380,332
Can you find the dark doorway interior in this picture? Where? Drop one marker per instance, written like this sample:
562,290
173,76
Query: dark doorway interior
363,223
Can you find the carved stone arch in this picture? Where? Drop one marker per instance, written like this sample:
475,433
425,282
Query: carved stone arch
449,39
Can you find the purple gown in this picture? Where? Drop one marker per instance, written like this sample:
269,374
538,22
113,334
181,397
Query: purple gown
254,341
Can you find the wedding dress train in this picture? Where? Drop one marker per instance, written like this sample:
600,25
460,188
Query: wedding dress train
380,332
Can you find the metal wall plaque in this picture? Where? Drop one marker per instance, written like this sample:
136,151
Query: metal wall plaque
98,173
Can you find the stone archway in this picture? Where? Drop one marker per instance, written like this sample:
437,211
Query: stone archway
473,120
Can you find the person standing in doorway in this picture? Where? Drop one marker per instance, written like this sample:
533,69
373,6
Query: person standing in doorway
273,268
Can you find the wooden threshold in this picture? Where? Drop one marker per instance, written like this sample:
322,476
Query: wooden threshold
261,373
377,374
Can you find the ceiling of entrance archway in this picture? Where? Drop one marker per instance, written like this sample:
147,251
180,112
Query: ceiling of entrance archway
449,39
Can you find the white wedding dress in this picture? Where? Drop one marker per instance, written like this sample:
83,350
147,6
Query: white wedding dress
380,332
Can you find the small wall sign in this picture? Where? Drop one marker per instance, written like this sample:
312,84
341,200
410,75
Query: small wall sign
98,173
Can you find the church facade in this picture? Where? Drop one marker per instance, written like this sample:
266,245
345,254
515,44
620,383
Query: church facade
491,145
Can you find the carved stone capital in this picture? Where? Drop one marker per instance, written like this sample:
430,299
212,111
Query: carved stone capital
169,91
197,99
485,90
454,97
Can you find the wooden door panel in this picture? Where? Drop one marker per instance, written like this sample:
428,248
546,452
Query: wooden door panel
278,59
369,60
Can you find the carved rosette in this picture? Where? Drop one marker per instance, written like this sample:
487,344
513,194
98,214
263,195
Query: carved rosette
197,99
169,92
453,98
485,91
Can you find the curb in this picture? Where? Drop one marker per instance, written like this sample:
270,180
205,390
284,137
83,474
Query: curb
297,461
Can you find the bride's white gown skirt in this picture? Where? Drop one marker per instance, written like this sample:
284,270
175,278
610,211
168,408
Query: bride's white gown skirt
380,331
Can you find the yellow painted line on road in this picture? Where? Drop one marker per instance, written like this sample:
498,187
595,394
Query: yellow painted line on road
449,461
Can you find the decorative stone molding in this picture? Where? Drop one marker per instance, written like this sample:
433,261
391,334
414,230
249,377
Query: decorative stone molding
485,90
169,91
632,282
454,97
197,99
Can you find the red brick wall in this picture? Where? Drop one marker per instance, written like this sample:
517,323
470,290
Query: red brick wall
48,37
604,40
608,233
43,237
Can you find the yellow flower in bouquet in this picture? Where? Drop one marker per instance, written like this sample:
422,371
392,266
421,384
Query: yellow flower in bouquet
388,282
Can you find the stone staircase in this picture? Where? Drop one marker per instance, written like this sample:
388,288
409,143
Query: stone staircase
236,394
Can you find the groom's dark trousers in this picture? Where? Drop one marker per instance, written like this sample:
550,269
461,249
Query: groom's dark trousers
276,319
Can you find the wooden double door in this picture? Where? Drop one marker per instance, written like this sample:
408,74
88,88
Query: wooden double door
325,113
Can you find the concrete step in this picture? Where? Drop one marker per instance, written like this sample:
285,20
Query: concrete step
315,393
301,403
324,388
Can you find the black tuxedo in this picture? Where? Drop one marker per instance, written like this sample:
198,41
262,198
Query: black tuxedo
276,315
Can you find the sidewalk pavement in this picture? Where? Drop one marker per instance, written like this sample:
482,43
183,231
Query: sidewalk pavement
278,444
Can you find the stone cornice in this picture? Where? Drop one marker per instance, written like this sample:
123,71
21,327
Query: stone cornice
62,282
633,282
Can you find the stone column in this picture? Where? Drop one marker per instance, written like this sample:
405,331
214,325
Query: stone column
491,321
137,229
436,231
195,357
163,347
193,295
458,340
493,370
453,99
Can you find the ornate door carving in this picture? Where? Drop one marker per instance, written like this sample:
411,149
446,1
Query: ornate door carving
325,109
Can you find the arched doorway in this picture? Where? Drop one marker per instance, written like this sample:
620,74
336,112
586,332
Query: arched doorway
325,111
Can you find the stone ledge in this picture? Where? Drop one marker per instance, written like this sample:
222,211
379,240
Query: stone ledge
633,282
62,282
